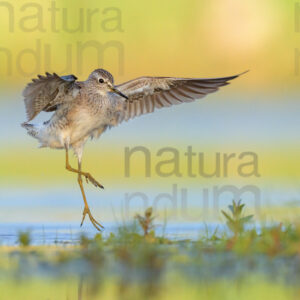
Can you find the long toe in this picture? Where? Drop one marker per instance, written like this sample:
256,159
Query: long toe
85,211
96,224
94,181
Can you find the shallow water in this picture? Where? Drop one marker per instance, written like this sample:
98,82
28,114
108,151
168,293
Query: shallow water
69,233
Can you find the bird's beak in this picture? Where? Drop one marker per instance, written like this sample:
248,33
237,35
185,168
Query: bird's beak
115,90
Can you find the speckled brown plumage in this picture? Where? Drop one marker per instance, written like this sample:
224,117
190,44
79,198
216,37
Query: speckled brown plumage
87,108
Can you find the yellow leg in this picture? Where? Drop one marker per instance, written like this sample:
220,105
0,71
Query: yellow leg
86,210
87,176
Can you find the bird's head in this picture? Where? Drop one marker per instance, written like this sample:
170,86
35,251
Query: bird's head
103,82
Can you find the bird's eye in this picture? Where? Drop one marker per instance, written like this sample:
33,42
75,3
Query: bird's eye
101,80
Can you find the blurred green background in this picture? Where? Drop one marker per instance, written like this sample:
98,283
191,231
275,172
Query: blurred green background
259,112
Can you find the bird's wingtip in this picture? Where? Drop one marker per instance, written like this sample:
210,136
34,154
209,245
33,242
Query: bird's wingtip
243,73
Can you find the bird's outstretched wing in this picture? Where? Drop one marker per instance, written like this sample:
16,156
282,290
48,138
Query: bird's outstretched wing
47,92
145,94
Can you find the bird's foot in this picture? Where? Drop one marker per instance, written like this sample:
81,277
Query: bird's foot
96,224
90,178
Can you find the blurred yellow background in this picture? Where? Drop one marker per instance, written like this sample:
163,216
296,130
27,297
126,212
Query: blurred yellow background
191,38
258,112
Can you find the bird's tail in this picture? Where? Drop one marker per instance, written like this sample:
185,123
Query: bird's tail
31,129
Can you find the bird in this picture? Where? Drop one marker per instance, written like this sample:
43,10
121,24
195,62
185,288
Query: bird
86,109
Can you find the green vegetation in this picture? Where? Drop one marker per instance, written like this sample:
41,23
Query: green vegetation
24,238
237,221
241,262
